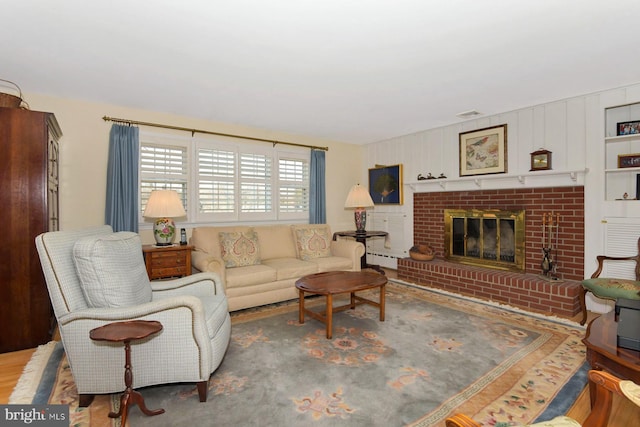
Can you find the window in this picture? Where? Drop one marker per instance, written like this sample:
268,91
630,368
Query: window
162,168
216,181
293,177
255,183
227,182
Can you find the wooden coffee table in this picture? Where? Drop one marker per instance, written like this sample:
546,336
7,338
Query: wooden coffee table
603,352
339,282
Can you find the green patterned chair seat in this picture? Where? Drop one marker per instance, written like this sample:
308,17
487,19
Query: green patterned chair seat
613,288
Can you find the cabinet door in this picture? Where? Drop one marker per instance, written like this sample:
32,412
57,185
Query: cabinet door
26,138
52,186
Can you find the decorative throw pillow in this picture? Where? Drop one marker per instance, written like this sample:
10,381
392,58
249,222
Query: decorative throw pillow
239,248
112,271
313,242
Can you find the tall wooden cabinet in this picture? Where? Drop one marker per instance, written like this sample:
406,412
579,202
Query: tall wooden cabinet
28,207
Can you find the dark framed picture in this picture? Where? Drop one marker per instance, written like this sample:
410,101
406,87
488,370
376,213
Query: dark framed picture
483,151
638,186
628,128
629,160
385,185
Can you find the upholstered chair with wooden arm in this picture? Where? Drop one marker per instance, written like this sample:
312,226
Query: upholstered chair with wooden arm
611,288
605,386
95,277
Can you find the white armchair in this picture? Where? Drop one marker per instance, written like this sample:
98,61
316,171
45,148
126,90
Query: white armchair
193,311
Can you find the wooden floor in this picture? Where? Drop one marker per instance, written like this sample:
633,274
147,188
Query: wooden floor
624,413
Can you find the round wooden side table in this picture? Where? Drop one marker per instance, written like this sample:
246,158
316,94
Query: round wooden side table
125,332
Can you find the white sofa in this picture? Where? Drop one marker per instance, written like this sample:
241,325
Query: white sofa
260,264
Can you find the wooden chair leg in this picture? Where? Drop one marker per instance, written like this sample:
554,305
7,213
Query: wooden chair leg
603,385
203,386
583,305
85,400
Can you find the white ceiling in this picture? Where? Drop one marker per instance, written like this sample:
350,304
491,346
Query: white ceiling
356,71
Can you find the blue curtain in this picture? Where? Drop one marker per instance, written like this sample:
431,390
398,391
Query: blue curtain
121,211
317,200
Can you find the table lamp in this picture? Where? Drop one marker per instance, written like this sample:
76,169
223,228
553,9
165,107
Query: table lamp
164,205
360,199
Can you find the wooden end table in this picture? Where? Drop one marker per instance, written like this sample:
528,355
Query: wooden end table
167,261
339,282
362,237
603,352
125,332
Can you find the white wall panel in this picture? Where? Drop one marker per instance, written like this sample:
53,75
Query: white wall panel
385,252
573,150
555,133
539,116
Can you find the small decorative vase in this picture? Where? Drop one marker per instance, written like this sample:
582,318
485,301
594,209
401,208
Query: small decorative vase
164,231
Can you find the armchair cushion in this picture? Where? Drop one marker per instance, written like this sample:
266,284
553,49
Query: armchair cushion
239,248
215,313
312,242
112,270
631,390
613,288
560,421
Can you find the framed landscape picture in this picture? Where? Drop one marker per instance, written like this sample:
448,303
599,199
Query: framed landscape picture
483,151
385,185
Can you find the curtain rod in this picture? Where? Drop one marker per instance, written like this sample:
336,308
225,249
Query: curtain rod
208,132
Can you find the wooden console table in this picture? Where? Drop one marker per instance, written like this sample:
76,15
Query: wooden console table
603,352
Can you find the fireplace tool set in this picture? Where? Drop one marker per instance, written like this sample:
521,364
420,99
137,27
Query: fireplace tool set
549,264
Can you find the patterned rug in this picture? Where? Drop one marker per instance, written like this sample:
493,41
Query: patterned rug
435,354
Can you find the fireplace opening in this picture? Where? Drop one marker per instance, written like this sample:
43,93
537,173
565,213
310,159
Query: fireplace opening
491,238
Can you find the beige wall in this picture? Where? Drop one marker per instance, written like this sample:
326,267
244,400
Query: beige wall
84,150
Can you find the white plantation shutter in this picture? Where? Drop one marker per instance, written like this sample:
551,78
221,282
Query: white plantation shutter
216,181
255,183
163,168
293,181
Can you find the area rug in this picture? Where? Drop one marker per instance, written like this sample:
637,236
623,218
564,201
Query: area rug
435,354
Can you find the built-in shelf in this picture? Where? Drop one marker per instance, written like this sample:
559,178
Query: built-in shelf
622,138
622,170
546,178
619,181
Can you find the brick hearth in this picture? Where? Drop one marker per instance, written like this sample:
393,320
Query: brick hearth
527,290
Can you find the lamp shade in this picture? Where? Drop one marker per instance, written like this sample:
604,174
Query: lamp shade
164,204
358,197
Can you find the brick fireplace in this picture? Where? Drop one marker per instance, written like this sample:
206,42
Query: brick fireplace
528,289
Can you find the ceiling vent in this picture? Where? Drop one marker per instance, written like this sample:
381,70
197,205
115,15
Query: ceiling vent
469,114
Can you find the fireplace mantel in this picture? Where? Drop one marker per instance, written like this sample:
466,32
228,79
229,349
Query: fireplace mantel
538,179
